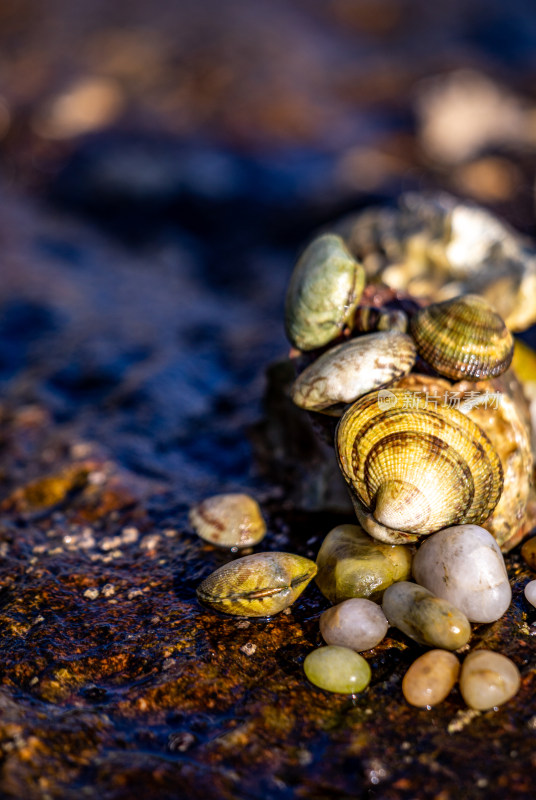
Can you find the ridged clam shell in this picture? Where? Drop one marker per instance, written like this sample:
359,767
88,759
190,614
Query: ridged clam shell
324,290
258,585
228,520
413,468
496,409
352,369
463,338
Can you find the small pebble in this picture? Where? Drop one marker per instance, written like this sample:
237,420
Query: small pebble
528,551
430,678
229,520
337,669
465,566
530,592
427,619
353,564
357,623
488,679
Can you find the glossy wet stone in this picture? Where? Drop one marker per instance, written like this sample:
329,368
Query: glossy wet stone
530,592
430,678
488,679
427,619
465,566
528,551
229,520
337,669
352,564
357,623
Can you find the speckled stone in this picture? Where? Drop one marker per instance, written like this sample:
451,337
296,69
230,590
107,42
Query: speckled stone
337,669
430,678
465,566
530,592
427,619
488,679
229,520
356,623
353,564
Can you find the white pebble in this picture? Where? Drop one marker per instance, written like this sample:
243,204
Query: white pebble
488,679
465,566
530,592
357,623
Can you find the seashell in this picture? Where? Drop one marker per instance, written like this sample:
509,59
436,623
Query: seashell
349,370
413,468
228,520
463,338
494,406
351,564
436,247
323,292
258,585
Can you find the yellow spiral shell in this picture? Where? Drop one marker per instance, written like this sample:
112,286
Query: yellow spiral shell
414,468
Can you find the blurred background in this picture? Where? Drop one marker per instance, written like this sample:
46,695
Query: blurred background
161,166
162,163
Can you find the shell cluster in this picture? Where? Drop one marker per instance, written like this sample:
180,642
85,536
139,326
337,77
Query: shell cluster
440,481
415,445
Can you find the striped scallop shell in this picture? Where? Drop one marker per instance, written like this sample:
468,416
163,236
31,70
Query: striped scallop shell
463,338
414,468
258,585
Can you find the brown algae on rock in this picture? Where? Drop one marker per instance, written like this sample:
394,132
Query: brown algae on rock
259,585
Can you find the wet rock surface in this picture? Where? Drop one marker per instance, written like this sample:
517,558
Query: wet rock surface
141,300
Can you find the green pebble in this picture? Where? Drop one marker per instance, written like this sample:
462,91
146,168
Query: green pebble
337,669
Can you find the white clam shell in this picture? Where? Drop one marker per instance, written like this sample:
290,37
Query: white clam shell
354,368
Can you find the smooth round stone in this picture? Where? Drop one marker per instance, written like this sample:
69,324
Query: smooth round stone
430,678
353,564
465,566
528,551
358,624
488,679
427,619
337,669
228,520
530,593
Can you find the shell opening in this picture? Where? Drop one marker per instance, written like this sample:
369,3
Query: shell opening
401,505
